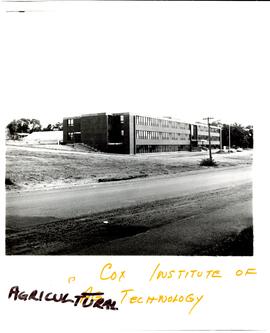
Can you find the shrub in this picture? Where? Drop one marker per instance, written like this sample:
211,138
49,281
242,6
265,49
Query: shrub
208,162
9,182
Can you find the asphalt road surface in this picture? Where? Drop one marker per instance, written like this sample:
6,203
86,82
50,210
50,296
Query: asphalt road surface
198,210
85,200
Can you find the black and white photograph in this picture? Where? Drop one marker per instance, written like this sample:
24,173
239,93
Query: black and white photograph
124,184
135,156
130,138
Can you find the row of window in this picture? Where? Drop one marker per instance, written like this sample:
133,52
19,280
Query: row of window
215,130
155,135
70,122
202,128
70,136
205,137
205,129
148,121
160,148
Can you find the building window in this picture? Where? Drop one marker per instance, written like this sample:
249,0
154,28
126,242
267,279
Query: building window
70,122
165,136
122,132
122,119
70,136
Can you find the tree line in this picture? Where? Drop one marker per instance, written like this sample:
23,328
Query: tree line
25,125
240,136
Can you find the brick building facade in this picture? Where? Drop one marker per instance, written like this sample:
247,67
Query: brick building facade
125,133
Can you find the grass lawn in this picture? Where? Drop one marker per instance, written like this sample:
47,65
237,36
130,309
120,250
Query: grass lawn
32,167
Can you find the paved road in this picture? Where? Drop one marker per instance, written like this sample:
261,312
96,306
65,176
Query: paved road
85,200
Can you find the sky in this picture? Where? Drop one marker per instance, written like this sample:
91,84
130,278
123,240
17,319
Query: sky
184,60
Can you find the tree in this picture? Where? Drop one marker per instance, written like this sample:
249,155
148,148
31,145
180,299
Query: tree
23,125
34,125
48,128
240,136
216,123
56,127
12,127
249,133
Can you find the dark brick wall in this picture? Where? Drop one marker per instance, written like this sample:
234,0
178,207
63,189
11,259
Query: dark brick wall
65,130
126,138
71,129
94,131
124,147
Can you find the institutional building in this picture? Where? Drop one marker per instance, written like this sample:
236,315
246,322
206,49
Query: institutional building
126,133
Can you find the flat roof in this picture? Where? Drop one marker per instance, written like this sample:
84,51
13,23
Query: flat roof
143,115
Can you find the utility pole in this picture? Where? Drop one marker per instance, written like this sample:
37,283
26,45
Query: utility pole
209,137
220,139
229,138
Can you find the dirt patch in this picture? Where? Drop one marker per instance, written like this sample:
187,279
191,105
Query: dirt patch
114,179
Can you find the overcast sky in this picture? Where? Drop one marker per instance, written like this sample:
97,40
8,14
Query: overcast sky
185,60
